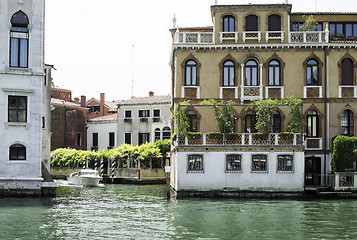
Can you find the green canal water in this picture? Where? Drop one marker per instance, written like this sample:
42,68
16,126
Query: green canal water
143,212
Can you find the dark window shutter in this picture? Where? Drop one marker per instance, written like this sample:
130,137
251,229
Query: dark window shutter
347,72
274,23
251,23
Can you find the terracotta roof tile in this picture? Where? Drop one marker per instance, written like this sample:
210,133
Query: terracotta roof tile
112,117
147,100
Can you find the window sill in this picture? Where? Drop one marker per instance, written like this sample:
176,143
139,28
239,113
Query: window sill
253,171
282,171
233,171
17,124
18,70
195,171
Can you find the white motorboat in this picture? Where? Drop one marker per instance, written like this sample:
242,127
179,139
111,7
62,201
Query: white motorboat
85,177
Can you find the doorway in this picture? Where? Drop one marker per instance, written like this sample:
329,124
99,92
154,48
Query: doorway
312,171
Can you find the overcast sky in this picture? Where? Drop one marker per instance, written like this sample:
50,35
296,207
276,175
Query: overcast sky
90,42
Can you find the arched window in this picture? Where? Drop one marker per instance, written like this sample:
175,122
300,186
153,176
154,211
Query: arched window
157,134
192,120
347,123
312,123
228,73
276,123
274,73
19,40
166,133
251,73
347,72
312,72
250,121
17,152
228,23
251,23
191,73
274,23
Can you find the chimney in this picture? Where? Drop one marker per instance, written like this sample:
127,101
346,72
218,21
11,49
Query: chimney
83,101
76,100
151,94
101,103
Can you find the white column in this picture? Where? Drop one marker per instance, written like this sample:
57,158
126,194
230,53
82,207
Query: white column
261,80
242,82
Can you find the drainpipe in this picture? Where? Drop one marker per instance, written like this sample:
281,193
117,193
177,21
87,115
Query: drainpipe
325,119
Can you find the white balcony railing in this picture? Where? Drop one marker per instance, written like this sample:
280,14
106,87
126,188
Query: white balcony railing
222,95
228,36
251,92
252,36
309,37
196,94
194,37
270,35
243,139
313,143
347,91
279,89
307,88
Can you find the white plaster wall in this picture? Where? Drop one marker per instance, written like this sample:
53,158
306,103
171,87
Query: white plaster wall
103,129
136,127
214,176
22,82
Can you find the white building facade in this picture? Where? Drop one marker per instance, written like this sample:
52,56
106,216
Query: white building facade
144,119
22,87
102,132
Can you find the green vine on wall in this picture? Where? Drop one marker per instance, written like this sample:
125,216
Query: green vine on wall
180,119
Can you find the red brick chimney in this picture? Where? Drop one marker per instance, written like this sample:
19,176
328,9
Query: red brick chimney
83,101
151,94
76,100
101,104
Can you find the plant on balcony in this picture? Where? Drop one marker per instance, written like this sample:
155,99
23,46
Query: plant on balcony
310,24
344,153
296,124
265,110
180,119
224,114
215,138
233,138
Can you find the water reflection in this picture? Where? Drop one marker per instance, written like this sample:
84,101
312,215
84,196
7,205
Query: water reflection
143,212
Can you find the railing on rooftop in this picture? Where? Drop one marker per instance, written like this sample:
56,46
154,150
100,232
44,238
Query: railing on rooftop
194,37
309,37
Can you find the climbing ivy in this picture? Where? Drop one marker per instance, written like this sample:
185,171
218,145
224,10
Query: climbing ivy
265,110
180,119
296,124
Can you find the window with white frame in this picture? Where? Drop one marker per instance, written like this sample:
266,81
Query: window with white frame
17,152
166,133
156,112
127,138
233,163
259,163
143,138
157,134
127,114
144,113
285,163
195,163
17,109
19,40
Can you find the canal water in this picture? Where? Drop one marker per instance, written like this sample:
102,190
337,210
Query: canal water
143,212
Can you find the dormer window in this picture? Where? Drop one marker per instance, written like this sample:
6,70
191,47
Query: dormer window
228,23
19,39
251,23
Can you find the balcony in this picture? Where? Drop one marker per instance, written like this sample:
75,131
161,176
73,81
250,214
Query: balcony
252,36
194,37
228,92
271,35
251,92
242,139
312,91
274,92
313,143
190,92
347,91
309,37
228,36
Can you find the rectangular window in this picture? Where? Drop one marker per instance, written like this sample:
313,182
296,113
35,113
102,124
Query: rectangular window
157,113
95,140
127,114
17,109
259,163
78,139
43,122
143,138
96,108
195,163
285,163
19,50
144,113
127,138
90,109
157,135
17,152
233,163
111,139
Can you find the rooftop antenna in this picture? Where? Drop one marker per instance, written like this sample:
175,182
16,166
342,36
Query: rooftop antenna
132,70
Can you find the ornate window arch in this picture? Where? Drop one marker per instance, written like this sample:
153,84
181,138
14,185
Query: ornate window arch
313,118
228,71
267,66
347,118
347,70
251,73
313,68
228,23
19,40
191,71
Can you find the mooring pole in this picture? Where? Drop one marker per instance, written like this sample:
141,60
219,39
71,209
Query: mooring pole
113,169
84,163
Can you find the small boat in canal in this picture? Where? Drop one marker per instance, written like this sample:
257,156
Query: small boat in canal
85,177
